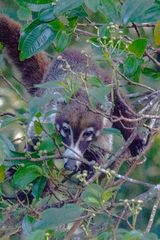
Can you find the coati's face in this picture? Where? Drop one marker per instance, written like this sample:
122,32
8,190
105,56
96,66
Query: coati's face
78,127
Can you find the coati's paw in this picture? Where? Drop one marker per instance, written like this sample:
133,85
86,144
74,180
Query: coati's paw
137,146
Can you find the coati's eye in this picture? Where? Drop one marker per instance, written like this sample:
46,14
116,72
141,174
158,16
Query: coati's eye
89,134
65,130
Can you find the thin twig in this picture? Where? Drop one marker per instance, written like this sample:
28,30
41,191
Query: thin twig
154,210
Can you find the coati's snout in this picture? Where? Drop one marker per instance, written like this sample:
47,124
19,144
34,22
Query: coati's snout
78,128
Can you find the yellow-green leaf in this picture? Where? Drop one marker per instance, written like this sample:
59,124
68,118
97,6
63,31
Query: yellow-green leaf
138,46
2,173
157,34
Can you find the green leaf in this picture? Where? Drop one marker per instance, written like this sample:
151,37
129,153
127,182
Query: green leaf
27,225
36,37
47,14
71,7
92,5
110,9
38,127
139,11
62,40
2,173
138,47
133,235
5,148
24,14
92,195
8,120
2,153
35,6
37,235
104,31
94,81
113,131
130,65
47,144
26,175
107,194
37,1
98,95
157,33
150,236
78,12
50,84
38,187
149,72
65,6
54,217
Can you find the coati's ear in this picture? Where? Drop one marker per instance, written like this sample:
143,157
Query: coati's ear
61,105
59,100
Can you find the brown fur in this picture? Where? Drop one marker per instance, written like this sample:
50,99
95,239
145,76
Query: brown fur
32,69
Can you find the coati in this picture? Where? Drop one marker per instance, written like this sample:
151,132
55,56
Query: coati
80,127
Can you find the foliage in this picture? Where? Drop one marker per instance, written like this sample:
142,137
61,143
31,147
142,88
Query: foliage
39,199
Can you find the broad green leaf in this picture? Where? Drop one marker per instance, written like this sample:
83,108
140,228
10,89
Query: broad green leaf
94,81
5,148
62,40
47,14
38,187
1,46
78,12
37,235
72,7
131,65
26,175
92,194
36,37
65,6
157,33
8,120
24,14
92,5
113,131
98,95
103,236
2,153
107,194
110,9
104,31
47,144
27,225
138,47
91,201
2,173
150,236
38,7
139,11
149,72
54,217
38,127
50,84
35,6
133,235
61,7
38,1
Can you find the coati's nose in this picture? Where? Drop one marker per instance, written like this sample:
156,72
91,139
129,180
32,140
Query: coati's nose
70,166
70,159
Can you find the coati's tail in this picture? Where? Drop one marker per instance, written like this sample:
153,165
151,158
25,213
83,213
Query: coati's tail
32,69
